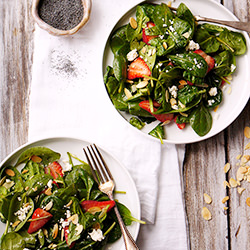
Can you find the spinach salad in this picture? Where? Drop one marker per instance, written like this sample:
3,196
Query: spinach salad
46,206
166,67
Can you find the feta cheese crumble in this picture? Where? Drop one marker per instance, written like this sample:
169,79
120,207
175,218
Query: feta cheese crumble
173,91
132,55
21,213
49,184
192,45
210,102
213,91
233,67
96,235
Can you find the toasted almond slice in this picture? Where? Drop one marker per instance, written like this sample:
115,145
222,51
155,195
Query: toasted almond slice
26,204
216,108
10,172
207,198
27,188
248,178
173,102
233,183
69,204
227,167
142,84
133,22
143,50
244,159
25,171
206,214
48,206
16,223
240,190
247,132
2,180
167,96
55,231
96,226
48,191
127,93
45,232
248,201
182,82
181,104
181,86
129,81
74,218
79,229
166,122
36,158
93,210
9,184
239,175
169,4
229,90
247,146
238,156
225,208
184,114
165,46
62,234
229,78
225,199
226,184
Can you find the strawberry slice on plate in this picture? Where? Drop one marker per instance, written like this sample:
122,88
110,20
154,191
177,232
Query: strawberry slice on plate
55,169
90,205
138,69
40,217
160,117
179,125
209,60
66,233
147,38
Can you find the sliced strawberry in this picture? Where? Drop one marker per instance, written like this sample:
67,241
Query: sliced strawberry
40,217
54,169
138,68
66,233
160,117
209,60
147,38
179,125
89,205
190,83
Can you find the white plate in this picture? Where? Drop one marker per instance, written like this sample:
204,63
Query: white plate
232,104
124,182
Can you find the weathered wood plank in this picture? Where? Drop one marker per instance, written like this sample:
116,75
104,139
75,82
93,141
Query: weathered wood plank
16,48
203,173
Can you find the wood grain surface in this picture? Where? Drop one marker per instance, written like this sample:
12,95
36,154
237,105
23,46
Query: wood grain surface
16,49
203,173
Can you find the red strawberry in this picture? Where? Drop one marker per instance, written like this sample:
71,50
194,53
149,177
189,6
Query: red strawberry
210,60
86,205
66,233
160,117
179,125
190,83
39,223
138,68
146,38
54,169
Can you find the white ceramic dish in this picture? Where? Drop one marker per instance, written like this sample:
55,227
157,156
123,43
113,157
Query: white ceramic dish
124,182
232,104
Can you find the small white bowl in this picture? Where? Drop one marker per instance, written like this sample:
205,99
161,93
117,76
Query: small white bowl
87,4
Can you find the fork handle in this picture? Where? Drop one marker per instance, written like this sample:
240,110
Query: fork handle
128,239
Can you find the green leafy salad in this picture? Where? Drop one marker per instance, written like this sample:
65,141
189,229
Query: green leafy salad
166,67
46,206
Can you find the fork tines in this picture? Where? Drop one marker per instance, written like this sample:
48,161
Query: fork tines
99,168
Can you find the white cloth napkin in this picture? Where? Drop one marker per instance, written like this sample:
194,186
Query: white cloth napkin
68,98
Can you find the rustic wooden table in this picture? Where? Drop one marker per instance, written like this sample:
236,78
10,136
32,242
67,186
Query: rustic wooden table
204,161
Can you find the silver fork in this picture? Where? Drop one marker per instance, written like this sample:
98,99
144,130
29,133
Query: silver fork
105,180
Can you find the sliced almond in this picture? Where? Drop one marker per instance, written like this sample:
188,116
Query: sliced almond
206,214
173,102
27,188
69,204
244,159
207,198
74,218
184,114
248,178
48,191
45,232
183,82
142,84
227,167
94,210
167,96
79,229
248,201
247,146
166,122
10,172
181,105
165,46
129,81
143,50
36,158
225,208
96,226
9,184
233,183
16,223
25,171
55,231
226,184
225,199
247,132
240,190
2,180
229,90
49,206
238,157
239,175
62,234
169,4
133,22
127,93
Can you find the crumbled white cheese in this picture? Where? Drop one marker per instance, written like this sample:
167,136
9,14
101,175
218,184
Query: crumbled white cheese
49,184
21,213
68,214
233,67
173,91
96,235
171,28
213,91
210,102
8,180
161,36
175,107
164,25
132,55
67,167
192,45
186,35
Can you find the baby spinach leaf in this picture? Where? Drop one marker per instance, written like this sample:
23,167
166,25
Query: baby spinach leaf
158,132
32,168
118,39
225,63
188,93
201,120
213,101
148,55
46,154
12,241
30,239
136,122
192,62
